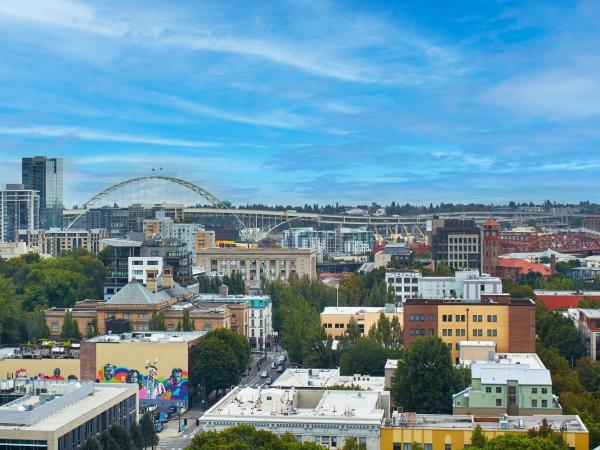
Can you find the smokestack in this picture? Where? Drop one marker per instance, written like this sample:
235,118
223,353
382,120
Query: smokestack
151,282
167,277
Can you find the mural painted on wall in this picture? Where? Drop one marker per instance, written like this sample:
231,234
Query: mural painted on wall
23,373
153,389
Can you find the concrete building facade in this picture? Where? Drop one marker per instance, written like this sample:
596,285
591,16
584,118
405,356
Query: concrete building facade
19,210
45,175
53,242
455,242
403,283
335,320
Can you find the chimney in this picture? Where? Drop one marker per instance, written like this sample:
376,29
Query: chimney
151,282
223,290
167,277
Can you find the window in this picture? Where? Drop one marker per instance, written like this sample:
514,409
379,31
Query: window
407,447
447,446
397,446
431,317
544,403
534,403
498,390
534,390
428,446
54,326
498,402
544,390
488,389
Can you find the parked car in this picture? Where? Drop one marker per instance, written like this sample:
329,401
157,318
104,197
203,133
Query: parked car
279,369
263,374
268,381
273,364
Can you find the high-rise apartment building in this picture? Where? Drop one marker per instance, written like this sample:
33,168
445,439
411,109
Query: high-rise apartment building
455,242
45,175
19,210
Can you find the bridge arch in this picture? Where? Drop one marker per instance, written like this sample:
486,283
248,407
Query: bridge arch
187,184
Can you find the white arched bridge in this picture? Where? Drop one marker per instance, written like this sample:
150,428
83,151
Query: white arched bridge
156,191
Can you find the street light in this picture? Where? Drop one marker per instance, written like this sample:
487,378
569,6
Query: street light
337,295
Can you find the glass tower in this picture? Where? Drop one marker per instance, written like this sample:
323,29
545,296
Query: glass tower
45,175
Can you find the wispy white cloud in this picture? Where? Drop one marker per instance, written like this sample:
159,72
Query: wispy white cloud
94,135
277,119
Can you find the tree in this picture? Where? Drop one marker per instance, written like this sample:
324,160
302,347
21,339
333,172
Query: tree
478,439
555,330
216,365
186,323
589,303
10,312
351,443
91,443
136,436
107,442
70,329
425,377
387,332
366,357
157,322
235,342
92,328
588,372
148,431
351,290
121,437
246,437
522,442
36,326
301,327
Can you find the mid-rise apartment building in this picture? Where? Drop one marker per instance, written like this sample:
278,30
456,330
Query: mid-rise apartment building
509,383
139,266
54,241
455,242
335,319
256,264
192,235
61,415
589,331
353,241
403,283
465,284
508,322
19,210
454,432
118,261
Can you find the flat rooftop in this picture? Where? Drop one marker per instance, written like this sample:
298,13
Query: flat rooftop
162,337
296,405
356,310
531,360
325,378
590,313
447,421
230,298
63,403
545,292
391,364
116,242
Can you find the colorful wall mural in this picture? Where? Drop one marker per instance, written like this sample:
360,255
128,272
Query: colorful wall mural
153,389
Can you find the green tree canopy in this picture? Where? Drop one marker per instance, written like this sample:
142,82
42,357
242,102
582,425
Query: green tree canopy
148,430
217,365
425,378
157,322
366,357
91,443
70,329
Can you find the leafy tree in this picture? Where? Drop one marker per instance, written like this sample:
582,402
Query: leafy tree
589,303
235,342
588,372
70,329
366,357
148,430
350,336
301,328
107,442
216,367
246,437
135,432
10,312
351,443
121,437
522,442
92,328
387,332
36,326
478,438
186,323
91,443
157,322
425,378
351,290
379,294
555,330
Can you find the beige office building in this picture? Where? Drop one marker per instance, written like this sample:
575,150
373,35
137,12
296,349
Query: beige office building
256,264
335,320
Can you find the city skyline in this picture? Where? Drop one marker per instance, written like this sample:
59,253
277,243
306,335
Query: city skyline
293,103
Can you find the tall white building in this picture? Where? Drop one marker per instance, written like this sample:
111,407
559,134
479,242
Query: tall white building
164,227
19,210
138,267
353,241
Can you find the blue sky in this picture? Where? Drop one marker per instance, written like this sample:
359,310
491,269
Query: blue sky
308,101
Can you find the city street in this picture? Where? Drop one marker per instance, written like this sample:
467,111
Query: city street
171,439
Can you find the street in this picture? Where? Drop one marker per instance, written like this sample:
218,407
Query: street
171,439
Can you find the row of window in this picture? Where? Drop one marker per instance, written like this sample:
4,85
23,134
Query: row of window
331,325
492,318
421,318
475,332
